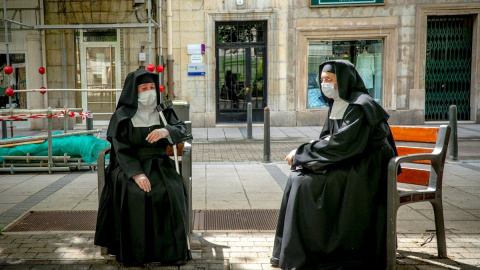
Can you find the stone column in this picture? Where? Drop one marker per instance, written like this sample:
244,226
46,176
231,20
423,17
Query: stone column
35,100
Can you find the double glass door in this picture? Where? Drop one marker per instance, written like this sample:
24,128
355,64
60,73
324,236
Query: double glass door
100,73
241,70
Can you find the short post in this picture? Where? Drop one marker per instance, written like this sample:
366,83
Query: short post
453,143
266,135
50,150
4,129
249,121
11,110
89,120
65,121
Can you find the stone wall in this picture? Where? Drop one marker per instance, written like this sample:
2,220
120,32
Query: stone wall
291,24
90,12
194,23
407,102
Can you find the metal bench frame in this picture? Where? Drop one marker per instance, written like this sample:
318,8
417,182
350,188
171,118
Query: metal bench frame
433,193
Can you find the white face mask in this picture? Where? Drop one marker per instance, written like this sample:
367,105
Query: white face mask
328,90
147,99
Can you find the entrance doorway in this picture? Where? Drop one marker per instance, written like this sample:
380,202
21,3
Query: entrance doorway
100,69
241,70
448,66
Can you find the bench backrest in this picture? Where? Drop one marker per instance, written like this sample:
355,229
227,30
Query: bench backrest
414,134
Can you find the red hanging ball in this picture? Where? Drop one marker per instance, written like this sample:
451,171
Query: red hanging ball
41,70
159,68
8,70
150,67
161,88
43,92
9,92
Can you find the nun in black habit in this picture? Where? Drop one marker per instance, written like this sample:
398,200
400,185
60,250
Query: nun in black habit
333,212
142,214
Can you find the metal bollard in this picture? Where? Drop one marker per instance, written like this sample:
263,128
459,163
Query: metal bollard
89,121
4,129
266,136
453,143
249,121
65,122
50,149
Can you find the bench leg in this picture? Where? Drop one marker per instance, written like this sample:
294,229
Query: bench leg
440,228
391,239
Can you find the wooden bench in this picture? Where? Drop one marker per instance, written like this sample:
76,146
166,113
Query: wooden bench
184,151
429,180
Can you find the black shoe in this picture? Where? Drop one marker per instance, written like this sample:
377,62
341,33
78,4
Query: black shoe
274,261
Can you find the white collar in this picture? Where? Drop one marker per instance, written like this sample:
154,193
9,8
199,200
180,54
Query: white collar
338,109
145,117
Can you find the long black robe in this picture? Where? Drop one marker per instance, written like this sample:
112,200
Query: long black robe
137,226
335,217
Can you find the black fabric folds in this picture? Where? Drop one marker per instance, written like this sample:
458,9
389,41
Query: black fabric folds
333,211
137,226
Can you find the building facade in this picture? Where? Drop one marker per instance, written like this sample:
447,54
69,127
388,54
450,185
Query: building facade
416,57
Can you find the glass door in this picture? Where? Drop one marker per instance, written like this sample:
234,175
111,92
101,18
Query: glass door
241,71
101,73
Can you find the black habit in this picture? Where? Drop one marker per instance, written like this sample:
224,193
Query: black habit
333,212
137,226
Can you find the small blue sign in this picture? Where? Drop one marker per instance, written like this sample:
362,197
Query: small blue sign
196,69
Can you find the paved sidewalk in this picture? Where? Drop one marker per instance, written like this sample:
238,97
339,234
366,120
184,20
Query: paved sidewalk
228,174
242,185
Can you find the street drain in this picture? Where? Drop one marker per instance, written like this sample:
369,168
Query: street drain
258,219
206,220
55,221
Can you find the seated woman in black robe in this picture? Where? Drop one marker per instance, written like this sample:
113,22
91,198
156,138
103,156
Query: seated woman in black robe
333,212
142,215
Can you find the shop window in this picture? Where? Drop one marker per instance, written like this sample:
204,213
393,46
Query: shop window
366,55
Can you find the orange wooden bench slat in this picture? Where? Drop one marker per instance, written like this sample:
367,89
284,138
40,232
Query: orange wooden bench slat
414,176
179,149
405,150
414,134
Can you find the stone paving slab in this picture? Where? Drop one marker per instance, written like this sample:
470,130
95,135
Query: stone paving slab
215,250
249,185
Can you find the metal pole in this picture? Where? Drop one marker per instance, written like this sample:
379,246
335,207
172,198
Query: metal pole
453,143
4,129
64,69
266,136
65,123
170,63
7,54
32,111
160,29
149,12
6,30
50,161
249,121
89,121
45,137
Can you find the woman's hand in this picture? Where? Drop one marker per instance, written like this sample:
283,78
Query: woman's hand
290,157
143,182
157,134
